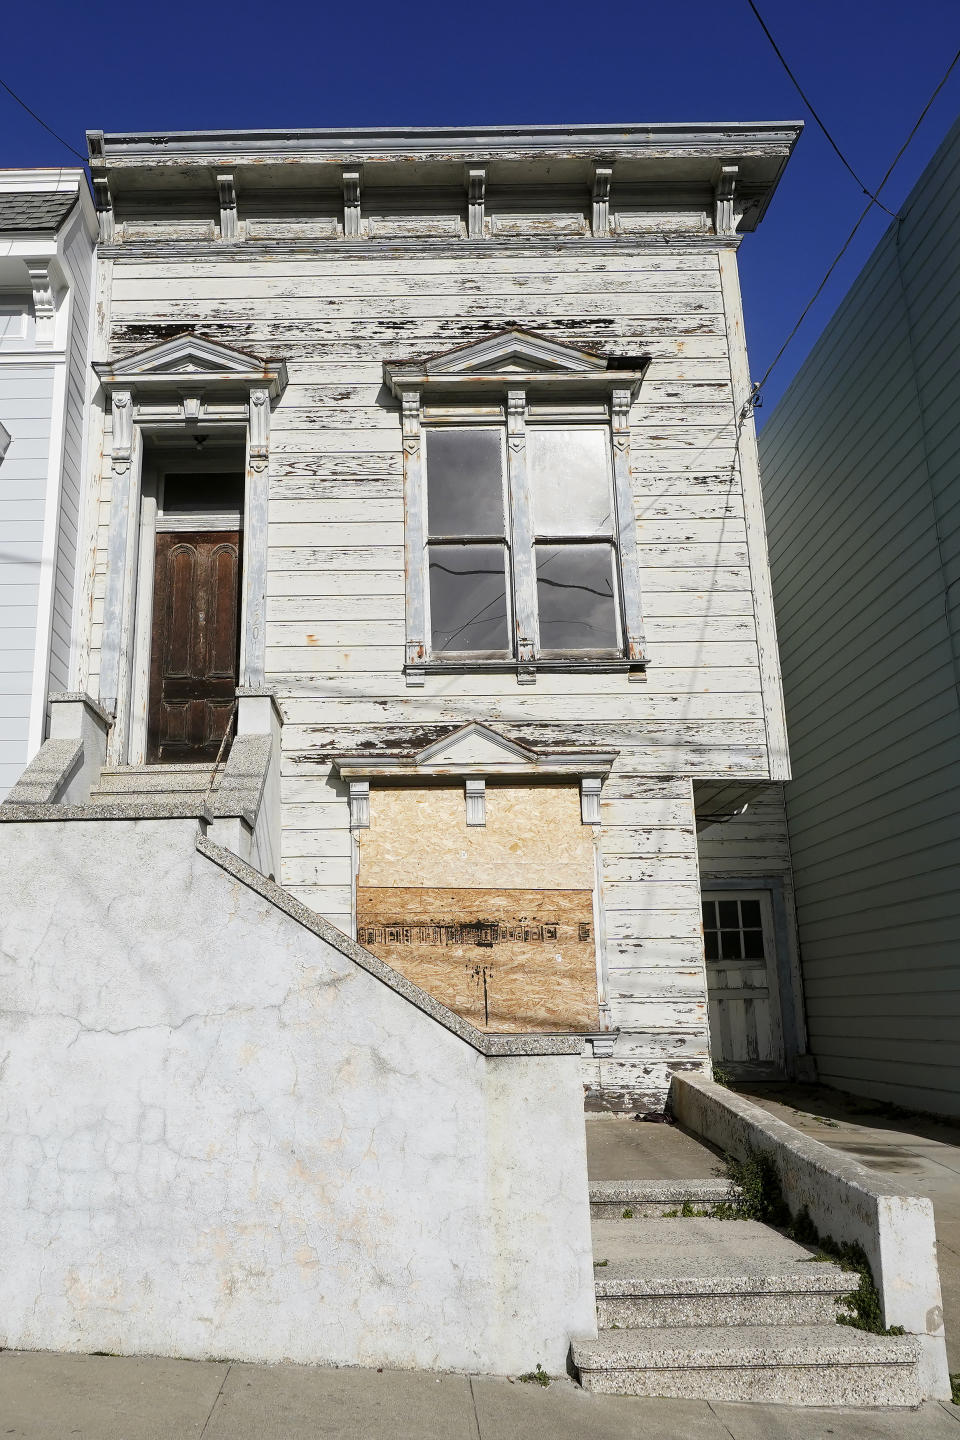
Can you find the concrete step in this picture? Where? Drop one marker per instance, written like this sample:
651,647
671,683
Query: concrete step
650,1198
727,1243
776,1364
149,782
670,1291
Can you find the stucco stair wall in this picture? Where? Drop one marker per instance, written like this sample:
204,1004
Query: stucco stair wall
228,1130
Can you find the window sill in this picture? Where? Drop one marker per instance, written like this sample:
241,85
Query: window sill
526,671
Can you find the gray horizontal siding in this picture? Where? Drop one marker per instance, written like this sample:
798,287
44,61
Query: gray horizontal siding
25,402
861,471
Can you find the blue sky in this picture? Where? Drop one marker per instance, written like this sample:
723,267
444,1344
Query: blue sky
869,68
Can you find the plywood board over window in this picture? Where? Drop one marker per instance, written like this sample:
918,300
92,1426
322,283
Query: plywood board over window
495,921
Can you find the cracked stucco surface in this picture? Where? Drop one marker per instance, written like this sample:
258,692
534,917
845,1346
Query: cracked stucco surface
223,1137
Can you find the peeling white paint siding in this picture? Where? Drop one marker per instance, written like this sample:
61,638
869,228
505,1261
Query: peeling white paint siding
707,706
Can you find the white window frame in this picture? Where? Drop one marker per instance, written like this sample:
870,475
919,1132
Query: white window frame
587,393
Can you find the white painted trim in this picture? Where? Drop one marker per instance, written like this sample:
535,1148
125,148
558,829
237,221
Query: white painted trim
143,623
48,557
476,797
94,454
254,562
770,679
79,618
120,734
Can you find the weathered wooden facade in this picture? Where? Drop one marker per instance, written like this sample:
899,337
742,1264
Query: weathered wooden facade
441,436
861,465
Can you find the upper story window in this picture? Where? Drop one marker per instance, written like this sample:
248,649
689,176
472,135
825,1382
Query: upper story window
474,564
519,535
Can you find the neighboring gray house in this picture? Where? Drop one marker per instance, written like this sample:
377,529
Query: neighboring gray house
47,237
861,477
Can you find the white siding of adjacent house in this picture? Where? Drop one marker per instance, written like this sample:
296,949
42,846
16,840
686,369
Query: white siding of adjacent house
26,399
77,250
861,466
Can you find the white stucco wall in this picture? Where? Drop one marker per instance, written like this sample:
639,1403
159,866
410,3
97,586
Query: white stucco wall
223,1136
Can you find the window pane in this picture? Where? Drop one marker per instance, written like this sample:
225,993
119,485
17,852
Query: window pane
730,948
729,912
709,914
569,474
750,911
575,597
753,944
199,494
468,598
464,482
710,946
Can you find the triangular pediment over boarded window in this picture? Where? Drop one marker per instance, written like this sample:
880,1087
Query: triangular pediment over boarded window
473,745
475,749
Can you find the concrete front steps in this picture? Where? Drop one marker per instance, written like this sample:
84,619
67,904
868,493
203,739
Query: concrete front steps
152,784
705,1309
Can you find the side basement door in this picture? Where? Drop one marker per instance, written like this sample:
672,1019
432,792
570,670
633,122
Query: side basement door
738,936
194,663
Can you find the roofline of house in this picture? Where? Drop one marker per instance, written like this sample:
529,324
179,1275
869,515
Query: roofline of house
453,141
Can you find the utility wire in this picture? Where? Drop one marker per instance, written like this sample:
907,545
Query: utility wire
13,94
810,106
754,395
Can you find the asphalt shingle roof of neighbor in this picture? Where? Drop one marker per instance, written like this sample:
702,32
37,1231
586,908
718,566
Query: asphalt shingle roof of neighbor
34,210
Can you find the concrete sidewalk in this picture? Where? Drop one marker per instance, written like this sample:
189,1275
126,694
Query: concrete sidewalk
89,1397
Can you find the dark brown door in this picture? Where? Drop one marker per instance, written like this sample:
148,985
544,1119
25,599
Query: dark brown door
195,656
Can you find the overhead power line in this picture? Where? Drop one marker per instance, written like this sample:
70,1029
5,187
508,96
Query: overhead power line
13,94
813,111
758,387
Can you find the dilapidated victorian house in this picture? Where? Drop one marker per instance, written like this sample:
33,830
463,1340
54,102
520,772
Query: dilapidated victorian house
425,617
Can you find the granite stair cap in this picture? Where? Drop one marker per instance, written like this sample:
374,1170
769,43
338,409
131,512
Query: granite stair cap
660,1192
722,1274
697,1241
681,1347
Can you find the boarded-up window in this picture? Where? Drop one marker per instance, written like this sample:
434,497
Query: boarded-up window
495,922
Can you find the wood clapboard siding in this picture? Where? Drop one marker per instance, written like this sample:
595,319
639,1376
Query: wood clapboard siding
26,398
861,467
77,250
335,619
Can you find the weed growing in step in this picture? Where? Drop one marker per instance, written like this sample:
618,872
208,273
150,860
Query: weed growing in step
722,1077
599,1264
758,1196
757,1192
535,1377
863,1308
691,1212
628,1215
955,1389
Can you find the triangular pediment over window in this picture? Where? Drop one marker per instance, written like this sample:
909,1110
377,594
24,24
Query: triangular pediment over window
517,356
515,350
473,745
475,749
192,358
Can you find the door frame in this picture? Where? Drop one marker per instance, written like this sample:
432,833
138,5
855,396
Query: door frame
153,473
785,971
182,388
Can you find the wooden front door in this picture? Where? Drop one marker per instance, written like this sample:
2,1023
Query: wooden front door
194,663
